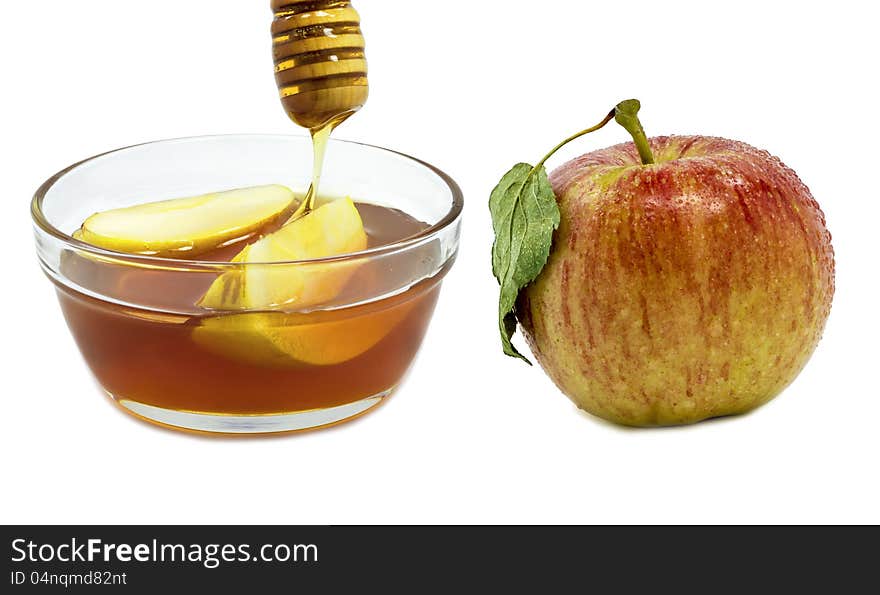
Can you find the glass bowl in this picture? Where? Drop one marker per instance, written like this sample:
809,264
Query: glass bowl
163,358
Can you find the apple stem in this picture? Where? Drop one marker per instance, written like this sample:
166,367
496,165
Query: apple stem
626,114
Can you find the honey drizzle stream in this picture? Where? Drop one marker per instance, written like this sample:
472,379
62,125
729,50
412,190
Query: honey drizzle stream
320,136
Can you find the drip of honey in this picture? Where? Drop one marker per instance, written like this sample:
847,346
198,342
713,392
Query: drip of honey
320,70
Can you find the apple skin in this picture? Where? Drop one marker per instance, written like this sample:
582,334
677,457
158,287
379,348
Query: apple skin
692,288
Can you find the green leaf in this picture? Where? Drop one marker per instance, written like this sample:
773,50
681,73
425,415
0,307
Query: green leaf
524,216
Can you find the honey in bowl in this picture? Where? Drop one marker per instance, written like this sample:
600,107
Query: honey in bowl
326,362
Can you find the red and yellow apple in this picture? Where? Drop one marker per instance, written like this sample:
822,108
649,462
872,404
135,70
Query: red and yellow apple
693,287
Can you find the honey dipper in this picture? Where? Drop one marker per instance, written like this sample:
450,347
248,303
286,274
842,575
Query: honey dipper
320,66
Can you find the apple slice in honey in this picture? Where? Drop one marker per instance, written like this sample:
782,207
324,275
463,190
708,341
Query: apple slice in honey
277,339
332,229
187,227
281,339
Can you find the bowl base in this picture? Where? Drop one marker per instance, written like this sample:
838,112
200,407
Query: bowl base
274,423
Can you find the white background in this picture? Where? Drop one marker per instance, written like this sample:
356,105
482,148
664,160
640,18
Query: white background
472,87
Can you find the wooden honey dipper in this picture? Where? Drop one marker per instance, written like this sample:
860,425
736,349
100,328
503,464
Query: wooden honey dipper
320,66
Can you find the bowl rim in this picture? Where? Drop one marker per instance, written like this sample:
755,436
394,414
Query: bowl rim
40,220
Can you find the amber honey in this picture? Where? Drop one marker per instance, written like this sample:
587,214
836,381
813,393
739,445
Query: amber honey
329,357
